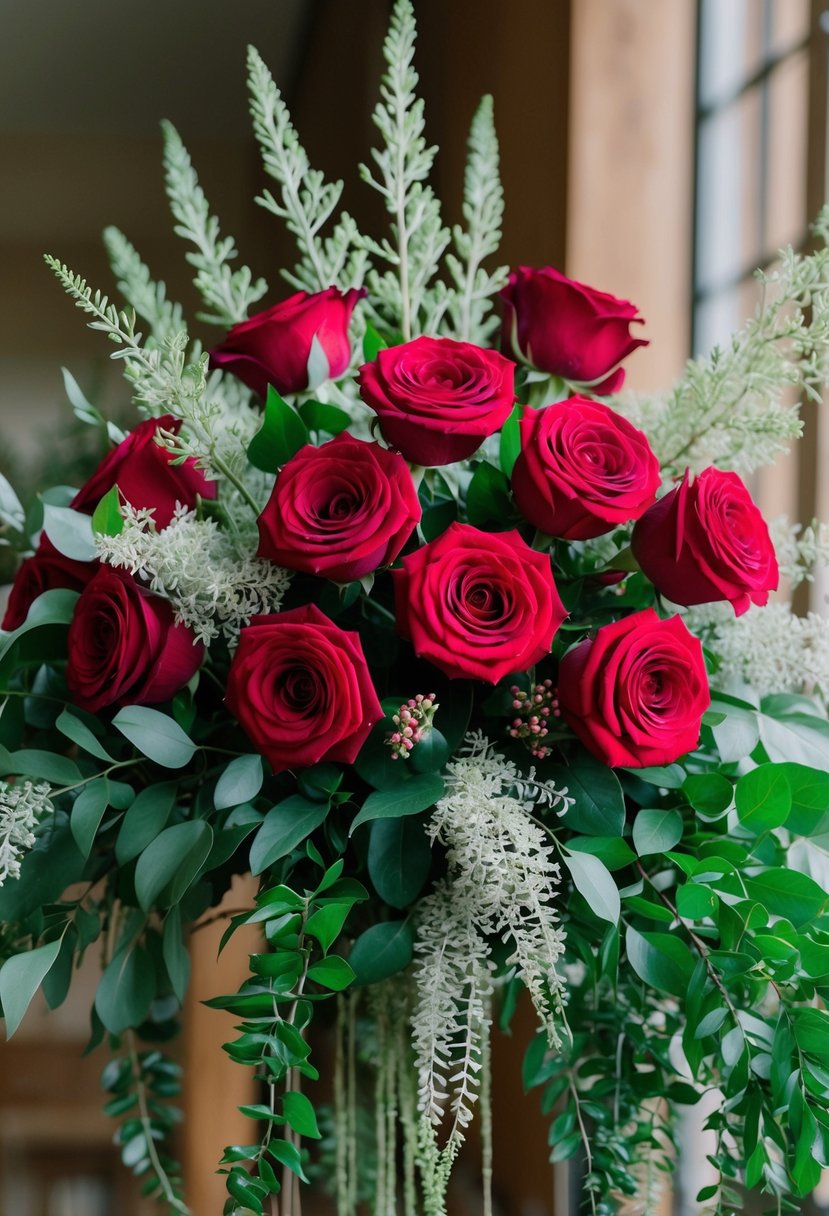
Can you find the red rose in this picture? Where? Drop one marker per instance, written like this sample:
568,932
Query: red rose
437,399
340,510
44,571
478,604
125,647
582,470
706,541
274,346
301,689
636,693
567,328
145,474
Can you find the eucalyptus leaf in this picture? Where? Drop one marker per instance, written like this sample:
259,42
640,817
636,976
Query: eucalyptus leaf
406,798
70,532
656,831
20,977
381,951
156,735
284,827
171,863
593,880
240,782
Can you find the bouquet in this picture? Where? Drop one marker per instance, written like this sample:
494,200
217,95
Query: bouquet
395,599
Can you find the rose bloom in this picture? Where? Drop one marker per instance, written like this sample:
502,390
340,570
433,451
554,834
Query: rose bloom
707,541
124,647
44,571
340,510
568,329
300,687
635,694
438,399
583,469
477,604
146,475
273,347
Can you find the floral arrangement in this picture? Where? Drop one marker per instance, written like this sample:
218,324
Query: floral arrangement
467,655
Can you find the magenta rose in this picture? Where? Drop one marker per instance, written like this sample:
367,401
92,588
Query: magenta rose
568,329
274,346
340,510
146,475
300,687
45,570
583,469
707,541
438,399
478,605
635,694
124,647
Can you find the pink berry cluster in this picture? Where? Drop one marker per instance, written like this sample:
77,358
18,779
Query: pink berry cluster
534,712
413,722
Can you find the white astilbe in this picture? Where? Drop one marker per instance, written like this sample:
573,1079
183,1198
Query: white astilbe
500,883
733,408
800,550
214,584
769,648
22,806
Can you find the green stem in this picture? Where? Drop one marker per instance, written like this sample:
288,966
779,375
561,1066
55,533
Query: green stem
64,789
222,467
170,1196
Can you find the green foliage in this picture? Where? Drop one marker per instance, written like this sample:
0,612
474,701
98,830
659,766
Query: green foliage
280,436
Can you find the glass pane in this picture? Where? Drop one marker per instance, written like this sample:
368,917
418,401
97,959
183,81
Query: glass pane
789,25
787,151
731,46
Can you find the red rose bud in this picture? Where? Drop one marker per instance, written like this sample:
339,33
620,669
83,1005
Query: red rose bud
438,399
635,694
44,571
707,541
478,604
274,346
146,475
340,510
124,646
583,469
568,329
300,687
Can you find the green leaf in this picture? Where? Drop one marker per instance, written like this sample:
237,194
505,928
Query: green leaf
320,416
661,960
509,445
280,436
240,782
299,1114
126,989
144,819
20,977
801,738
763,798
326,923
708,793
789,894
176,954
615,852
487,498
87,813
53,607
593,880
373,343
171,863
70,532
399,859
107,519
599,809
381,951
46,766
156,735
739,732
284,827
407,798
668,777
80,734
656,831
332,972
695,901
810,799
287,1154
11,509
246,1191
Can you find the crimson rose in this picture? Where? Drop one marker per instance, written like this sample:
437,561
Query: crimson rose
274,346
340,510
145,474
124,646
300,687
567,328
43,571
478,604
582,470
706,541
635,694
438,399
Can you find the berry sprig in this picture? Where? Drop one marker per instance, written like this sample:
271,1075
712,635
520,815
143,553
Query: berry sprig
535,709
413,722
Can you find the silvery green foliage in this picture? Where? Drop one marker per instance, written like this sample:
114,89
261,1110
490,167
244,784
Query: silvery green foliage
401,294
800,550
470,305
306,201
137,286
22,806
228,293
733,408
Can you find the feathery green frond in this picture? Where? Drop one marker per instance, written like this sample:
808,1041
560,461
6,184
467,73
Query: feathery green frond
147,297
